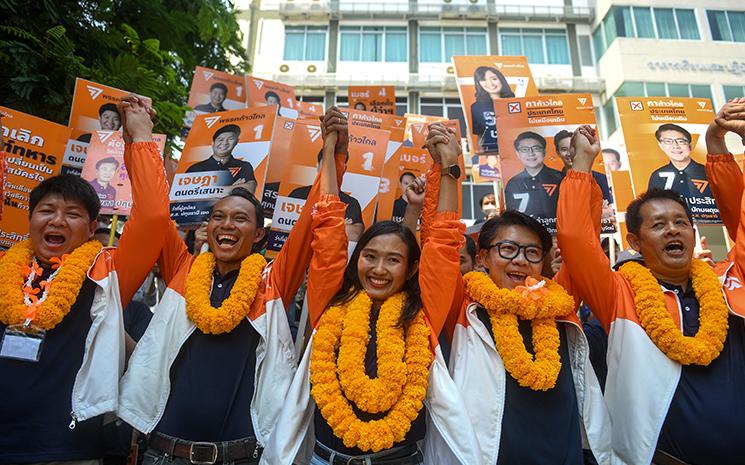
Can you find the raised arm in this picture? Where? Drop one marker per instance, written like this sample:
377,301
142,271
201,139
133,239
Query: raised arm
288,269
578,226
415,200
144,231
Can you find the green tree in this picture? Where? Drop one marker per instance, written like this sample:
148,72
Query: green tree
146,46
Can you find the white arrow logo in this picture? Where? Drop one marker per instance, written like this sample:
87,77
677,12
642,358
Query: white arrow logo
732,283
701,104
314,132
259,84
398,122
207,75
582,100
103,136
94,91
211,120
499,65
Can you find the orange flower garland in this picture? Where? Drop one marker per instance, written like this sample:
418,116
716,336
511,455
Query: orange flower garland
654,317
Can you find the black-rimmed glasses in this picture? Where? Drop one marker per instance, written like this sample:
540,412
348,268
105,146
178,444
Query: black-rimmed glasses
509,250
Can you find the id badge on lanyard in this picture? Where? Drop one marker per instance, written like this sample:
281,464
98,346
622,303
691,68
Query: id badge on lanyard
22,342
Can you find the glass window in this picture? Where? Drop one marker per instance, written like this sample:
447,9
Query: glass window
665,21
533,48
630,89
315,45
656,89
643,20
430,47
731,92
557,50
622,16
609,27
476,44
701,91
350,46
511,45
305,43
719,25
609,115
737,24
402,105
678,90
455,45
585,50
541,46
372,46
439,45
396,46
597,39
294,45
687,24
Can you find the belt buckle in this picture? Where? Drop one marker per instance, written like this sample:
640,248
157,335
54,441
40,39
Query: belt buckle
355,461
197,448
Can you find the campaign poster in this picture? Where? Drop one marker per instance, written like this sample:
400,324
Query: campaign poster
309,110
93,109
376,99
278,159
105,171
263,92
482,81
414,162
412,119
214,91
667,149
34,148
359,189
536,159
223,151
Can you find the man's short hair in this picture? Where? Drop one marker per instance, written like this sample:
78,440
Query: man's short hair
561,135
272,94
107,107
614,152
633,211
406,173
672,127
106,160
530,135
470,247
513,218
319,157
70,187
219,85
234,128
483,197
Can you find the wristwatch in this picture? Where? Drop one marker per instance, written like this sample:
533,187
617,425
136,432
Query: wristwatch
453,171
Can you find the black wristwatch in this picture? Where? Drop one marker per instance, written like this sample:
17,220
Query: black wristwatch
453,171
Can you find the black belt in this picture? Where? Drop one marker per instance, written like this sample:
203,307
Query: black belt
206,453
410,456
663,458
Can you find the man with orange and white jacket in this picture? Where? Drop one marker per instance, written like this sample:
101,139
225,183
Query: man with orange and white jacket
676,343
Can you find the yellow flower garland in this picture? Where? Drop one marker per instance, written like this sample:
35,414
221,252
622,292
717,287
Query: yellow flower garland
654,317
325,372
211,320
63,291
378,394
504,306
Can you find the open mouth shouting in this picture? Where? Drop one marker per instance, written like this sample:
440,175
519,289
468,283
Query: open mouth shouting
675,248
54,241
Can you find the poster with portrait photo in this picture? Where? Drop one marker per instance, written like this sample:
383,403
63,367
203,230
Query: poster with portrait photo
263,92
535,162
214,91
665,142
483,80
223,151
375,99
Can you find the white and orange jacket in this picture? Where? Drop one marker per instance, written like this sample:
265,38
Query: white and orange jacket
145,387
641,379
449,438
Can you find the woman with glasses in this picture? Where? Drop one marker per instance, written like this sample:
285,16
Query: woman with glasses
519,355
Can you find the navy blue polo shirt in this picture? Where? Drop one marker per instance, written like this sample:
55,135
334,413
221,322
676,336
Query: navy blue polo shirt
539,427
536,196
705,423
212,380
36,397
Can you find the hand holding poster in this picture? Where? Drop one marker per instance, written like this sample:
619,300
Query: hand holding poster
34,153
214,91
375,99
414,163
534,163
263,92
483,80
223,151
665,141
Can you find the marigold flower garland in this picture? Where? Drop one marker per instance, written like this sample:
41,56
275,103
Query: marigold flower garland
62,291
504,306
235,308
325,373
654,317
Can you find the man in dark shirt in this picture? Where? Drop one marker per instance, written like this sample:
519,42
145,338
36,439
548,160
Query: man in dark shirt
108,118
535,190
105,171
218,94
224,141
399,205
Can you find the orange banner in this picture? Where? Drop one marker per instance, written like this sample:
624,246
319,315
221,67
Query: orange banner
223,151
483,80
414,163
534,163
35,148
278,160
214,91
665,141
263,92
376,99
309,110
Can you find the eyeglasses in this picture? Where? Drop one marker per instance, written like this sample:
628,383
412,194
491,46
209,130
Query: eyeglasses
538,149
509,250
668,141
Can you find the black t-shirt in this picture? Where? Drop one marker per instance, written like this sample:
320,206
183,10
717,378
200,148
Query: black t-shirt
353,213
324,433
540,427
212,380
690,182
399,210
535,196
36,398
238,169
705,423
485,125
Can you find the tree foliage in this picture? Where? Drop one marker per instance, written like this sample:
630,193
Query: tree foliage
145,46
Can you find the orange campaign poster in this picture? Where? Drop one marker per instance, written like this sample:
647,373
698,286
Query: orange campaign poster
104,170
93,109
534,162
412,119
307,110
223,151
35,148
413,163
263,92
214,91
278,153
665,141
483,80
359,189
376,99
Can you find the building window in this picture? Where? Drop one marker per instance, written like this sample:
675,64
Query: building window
731,92
439,44
449,108
402,105
541,46
645,23
662,89
305,43
727,26
609,116
373,44
585,50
